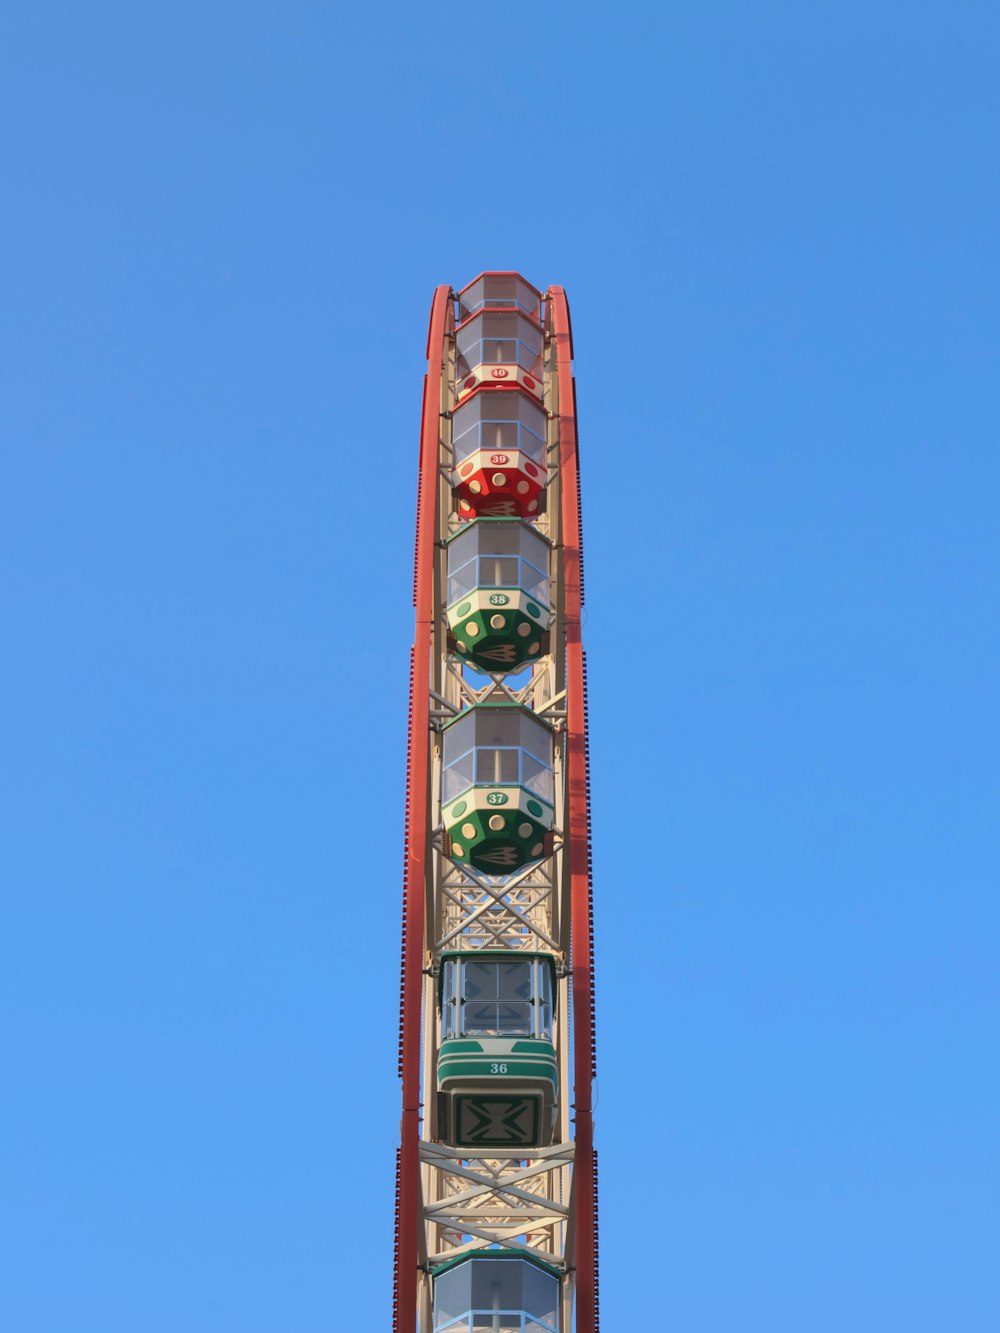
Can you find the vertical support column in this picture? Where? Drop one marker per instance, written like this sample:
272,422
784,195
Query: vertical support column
417,839
578,830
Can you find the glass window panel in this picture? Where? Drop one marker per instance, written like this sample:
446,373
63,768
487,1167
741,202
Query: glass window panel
465,442
467,346
514,981
541,1294
459,737
497,571
498,998
452,1293
536,777
530,335
448,979
531,414
497,1284
467,415
529,360
462,548
496,336
497,766
530,346
522,294
545,1021
499,435
449,1000
497,726
458,777
499,350
461,583
480,981
469,336
480,1019
497,420
531,444
513,1020
500,325
461,1325
534,736
498,288
531,546
533,436
471,299
497,291
534,583
499,406
500,538
498,1323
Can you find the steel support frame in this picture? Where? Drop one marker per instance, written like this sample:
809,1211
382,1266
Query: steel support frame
578,803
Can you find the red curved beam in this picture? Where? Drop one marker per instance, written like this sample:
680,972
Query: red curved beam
578,830
405,1296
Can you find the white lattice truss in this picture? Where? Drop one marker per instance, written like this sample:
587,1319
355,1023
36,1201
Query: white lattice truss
505,1199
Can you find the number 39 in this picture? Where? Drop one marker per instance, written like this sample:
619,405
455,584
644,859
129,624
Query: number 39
497,1068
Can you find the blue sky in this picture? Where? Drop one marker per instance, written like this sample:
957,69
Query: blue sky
222,226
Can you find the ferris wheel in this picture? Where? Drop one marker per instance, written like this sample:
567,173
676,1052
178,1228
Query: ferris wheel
496,1200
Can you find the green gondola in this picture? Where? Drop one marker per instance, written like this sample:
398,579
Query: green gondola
498,594
497,1075
497,788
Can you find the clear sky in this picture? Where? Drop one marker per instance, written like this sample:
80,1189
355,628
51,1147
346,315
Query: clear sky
222,225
